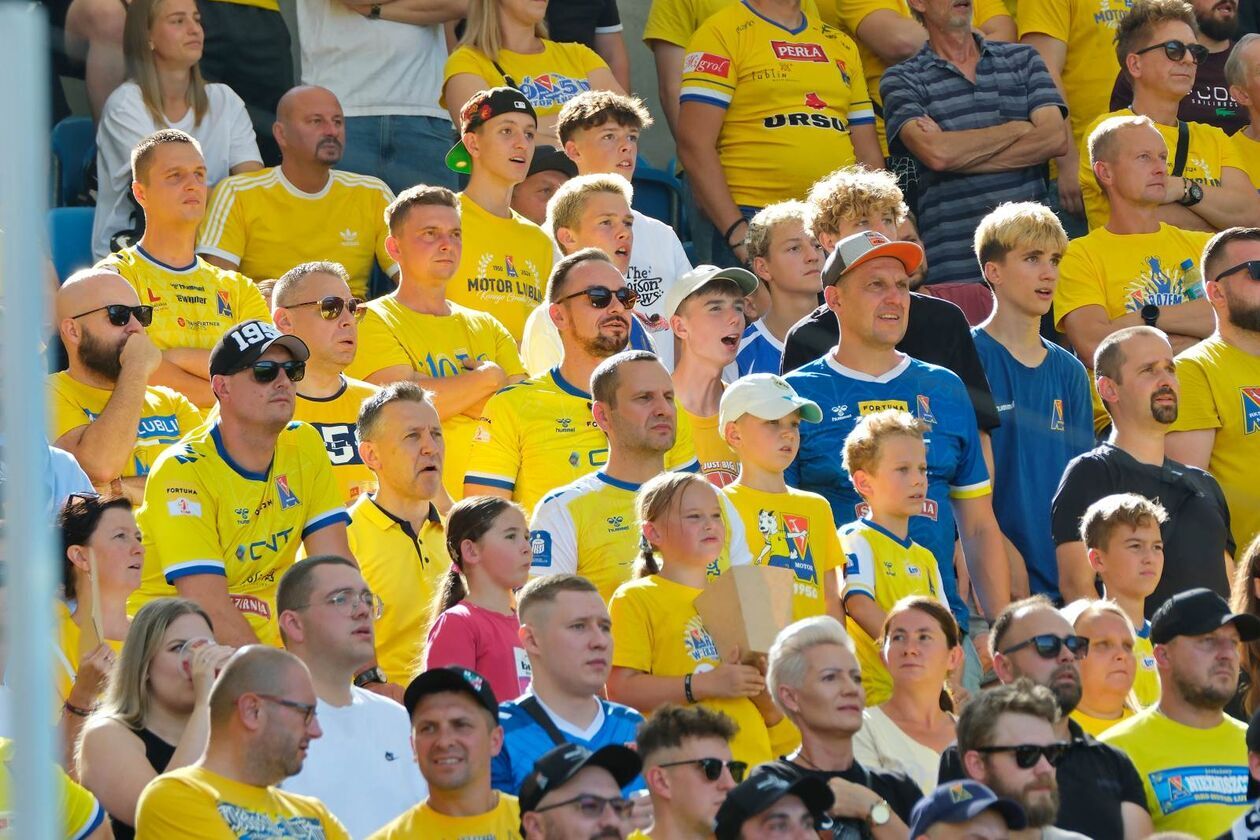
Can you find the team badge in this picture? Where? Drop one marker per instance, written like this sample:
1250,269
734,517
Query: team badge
1251,409
225,305
1056,416
287,497
925,409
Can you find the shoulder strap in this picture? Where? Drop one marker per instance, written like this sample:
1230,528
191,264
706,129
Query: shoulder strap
534,709
1183,148
509,82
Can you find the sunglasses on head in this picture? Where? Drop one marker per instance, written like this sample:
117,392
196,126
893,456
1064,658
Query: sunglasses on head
1252,267
1048,645
1027,755
267,370
120,314
712,767
330,307
1176,50
600,296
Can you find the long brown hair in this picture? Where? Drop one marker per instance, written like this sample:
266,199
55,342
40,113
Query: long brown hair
938,612
141,69
1243,599
469,519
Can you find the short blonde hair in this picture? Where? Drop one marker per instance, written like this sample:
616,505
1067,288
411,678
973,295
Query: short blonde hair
1101,519
852,192
862,446
1016,223
787,654
761,226
566,206
1102,140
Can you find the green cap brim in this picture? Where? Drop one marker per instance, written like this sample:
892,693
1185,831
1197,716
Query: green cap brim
458,159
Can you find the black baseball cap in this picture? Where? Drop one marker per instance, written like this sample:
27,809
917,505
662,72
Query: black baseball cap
567,760
550,159
451,678
1196,612
244,343
481,107
761,790
960,801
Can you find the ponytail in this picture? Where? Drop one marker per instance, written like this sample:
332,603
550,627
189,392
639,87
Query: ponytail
469,519
655,499
645,563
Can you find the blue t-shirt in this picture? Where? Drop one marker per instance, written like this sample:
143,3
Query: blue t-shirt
1047,420
525,741
759,351
955,460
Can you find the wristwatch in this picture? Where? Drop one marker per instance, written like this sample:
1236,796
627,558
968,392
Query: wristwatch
1150,314
371,675
375,12
1191,194
879,814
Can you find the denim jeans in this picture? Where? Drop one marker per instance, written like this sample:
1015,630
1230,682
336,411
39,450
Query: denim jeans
400,150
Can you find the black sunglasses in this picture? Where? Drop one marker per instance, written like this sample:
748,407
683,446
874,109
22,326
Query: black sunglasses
1176,50
330,307
1048,645
1252,267
600,296
267,370
120,313
592,807
1027,755
712,767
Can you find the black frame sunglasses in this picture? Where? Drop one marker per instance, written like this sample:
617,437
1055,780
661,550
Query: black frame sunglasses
120,314
712,767
601,296
592,806
1048,645
266,370
1176,50
1027,755
1251,266
330,307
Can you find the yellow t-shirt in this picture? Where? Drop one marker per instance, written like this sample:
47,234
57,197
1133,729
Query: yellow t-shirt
539,435
193,803
336,418
1248,151
1210,150
205,514
1220,390
80,813
548,79
675,21
1195,779
68,653
166,416
1097,726
434,345
718,462
192,306
421,822
657,630
1146,686
404,569
266,226
794,530
887,569
782,90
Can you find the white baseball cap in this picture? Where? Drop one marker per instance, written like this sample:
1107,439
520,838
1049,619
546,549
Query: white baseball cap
864,246
766,396
701,276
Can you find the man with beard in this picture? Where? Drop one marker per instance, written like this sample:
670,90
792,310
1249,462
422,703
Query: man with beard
262,719
688,768
1191,755
1138,384
227,507
1099,790
1008,742
541,434
1211,432
263,223
101,408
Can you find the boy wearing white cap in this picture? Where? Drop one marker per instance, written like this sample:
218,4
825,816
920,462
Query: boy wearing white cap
760,418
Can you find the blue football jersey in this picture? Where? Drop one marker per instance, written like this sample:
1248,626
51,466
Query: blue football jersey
759,351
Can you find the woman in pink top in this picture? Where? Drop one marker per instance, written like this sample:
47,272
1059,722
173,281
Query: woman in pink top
475,622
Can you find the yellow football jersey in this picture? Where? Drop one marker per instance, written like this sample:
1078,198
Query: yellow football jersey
266,226
192,306
783,90
539,435
1146,685
69,653
336,418
204,514
423,823
886,568
718,462
167,416
80,813
435,345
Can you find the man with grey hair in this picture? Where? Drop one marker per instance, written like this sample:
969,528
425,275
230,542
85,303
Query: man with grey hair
1242,73
815,679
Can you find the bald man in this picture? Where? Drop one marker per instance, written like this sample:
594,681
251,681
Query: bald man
262,718
101,409
264,223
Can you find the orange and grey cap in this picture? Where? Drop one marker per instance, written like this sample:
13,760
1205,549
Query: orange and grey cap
864,246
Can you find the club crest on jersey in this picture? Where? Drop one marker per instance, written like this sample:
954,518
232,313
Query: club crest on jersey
697,641
509,265
790,51
925,409
225,305
1056,416
287,497
813,100
1251,409
844,71
152,297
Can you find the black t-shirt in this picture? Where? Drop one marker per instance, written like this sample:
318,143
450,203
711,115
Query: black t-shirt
576,21
1208,102
896,789
1196,535
1094,779
937,333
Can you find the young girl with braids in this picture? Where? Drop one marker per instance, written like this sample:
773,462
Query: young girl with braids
475,622
662,652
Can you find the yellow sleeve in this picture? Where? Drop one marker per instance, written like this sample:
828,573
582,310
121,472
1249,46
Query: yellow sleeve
81,813
64,413
667,22
853,12
1080,284
468,60
631,631
170,806
1228,151
784,737
860,109
682,458
833,553
1045,17
378,348
506,355
708,72
187,415
179,519
987,10
581,57
1196,408
250,303
495,457
223,230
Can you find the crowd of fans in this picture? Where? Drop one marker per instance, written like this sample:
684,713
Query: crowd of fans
395,450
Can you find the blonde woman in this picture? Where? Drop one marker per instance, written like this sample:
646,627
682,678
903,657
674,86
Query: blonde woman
1108,669
162,44
156,712
505,43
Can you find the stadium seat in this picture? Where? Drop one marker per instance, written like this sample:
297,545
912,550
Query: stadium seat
70,239
73,146
658,194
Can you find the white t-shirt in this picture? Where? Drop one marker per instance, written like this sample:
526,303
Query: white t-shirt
362,768
375,67
881,745
226,136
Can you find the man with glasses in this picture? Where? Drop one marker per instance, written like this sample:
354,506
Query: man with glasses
1099,792
361,767
541,434
313,302
262,721
574,792
226,508
1191,755
101,408
1212,431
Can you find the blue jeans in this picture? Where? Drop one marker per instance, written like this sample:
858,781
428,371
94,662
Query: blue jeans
402,151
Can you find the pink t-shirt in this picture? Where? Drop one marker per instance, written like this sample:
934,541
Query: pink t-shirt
484,640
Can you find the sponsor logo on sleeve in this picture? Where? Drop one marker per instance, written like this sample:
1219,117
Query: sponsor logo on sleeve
540,546
707,63
183,506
